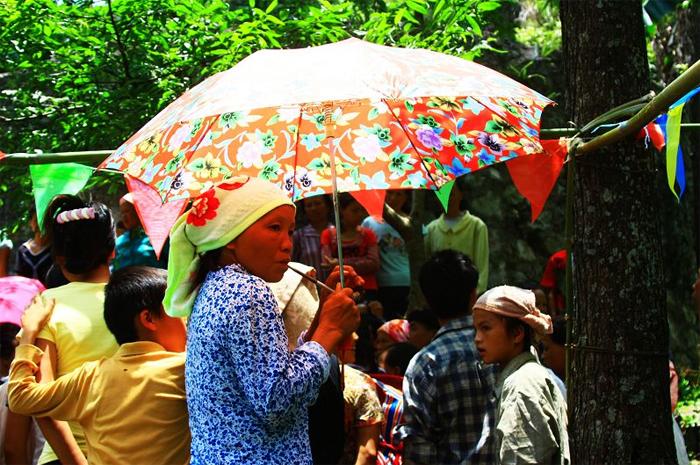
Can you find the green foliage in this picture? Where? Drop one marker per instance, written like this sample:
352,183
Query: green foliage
688,407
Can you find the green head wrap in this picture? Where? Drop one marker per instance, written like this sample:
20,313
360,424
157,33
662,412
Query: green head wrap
215,218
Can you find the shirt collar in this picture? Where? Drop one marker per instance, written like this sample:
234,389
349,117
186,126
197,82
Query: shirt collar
138,348
511,367
464,322
461,224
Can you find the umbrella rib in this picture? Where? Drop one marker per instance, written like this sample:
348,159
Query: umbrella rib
192,151
410,141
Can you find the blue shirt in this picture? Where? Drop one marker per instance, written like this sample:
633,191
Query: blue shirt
449,401
393,256
247,395
134,248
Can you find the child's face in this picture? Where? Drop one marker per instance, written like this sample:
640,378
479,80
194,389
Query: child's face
316,209
420,335
382,342
554,356
265,248
353,214
494,343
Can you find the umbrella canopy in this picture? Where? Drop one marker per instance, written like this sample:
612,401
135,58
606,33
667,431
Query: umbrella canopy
397,118
16,292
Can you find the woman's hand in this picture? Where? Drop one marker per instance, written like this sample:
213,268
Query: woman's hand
338,318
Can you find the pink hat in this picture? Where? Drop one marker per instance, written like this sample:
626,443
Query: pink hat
16,292
396,329
514,302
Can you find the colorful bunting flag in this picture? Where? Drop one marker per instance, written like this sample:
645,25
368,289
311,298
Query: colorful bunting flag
51,180
534,175
373,201
156,217
443,194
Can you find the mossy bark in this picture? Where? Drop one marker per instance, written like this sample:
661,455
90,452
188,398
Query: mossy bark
619,406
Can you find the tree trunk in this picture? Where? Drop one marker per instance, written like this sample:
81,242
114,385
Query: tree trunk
619,406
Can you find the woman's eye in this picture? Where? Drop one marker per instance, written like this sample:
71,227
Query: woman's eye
275,227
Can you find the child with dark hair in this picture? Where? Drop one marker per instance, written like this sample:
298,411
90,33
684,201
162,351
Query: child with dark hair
423,326
448,411
82,242
531,417
34,255
359,244
131,406
398,357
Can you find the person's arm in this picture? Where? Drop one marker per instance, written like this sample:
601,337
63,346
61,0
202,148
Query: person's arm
524,431
272,378
16,438
57,433
417,428
367,440
481,256
27,397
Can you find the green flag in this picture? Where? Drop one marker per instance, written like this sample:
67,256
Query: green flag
53,179
443,194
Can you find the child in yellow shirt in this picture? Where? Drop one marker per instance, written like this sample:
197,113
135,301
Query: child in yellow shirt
132,405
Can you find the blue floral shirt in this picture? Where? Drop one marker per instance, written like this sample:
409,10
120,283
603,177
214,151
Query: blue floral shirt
247,395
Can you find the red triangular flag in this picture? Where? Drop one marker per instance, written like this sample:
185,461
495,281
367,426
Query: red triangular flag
373,201
156,217
535,175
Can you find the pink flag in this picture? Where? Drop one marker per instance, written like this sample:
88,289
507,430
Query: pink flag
373,201
156,217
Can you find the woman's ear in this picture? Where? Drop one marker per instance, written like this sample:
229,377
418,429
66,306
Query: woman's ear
146,320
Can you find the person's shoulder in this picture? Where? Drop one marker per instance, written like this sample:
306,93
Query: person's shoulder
473,219
531,379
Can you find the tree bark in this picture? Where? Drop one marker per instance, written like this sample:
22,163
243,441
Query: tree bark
619,406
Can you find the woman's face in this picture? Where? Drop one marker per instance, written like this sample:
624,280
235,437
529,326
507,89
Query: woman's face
265,248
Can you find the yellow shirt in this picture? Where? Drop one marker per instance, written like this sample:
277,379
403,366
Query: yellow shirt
78,329
131,406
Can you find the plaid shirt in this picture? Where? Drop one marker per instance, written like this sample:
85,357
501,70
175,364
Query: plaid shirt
449,401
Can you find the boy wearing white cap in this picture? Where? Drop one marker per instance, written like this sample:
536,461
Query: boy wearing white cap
531,414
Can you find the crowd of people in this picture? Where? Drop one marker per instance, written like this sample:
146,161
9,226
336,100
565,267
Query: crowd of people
222,353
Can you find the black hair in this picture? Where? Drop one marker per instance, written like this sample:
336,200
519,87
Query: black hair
364,347
85,244
424,317
447,280
558,335
345,199
400,355
208,261
129,291
513,324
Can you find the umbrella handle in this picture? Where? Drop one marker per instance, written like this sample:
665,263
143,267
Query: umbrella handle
336,211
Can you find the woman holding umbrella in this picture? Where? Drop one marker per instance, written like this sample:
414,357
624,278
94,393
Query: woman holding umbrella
247,394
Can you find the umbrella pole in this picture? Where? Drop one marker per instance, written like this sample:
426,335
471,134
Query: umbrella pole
336,211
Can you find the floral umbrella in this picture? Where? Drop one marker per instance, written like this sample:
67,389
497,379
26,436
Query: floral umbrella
389,117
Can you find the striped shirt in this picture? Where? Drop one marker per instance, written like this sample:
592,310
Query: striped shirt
306,249
449,401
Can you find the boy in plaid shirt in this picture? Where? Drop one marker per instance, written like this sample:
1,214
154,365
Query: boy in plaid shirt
449,402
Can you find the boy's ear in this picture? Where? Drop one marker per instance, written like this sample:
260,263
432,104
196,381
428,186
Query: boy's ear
146,320
519,335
